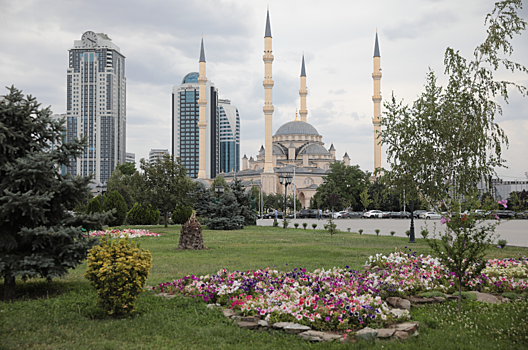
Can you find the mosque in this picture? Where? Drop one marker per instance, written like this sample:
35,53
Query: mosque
297,148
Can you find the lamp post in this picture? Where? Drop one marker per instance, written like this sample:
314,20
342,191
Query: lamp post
411,236
286,179
219,190
102,188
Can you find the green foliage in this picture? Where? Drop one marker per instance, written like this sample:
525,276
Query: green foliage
126,168
377,231
275,223
181,215
503,243
296,225
348,229
314,226
424,233
469,296
393,233
143,215
165,185
305,225
38,238
331,226
94,205
360,231
118,270
408,233
345,181
511,295
226,214
244,201
364,198
114,200
203,200
434,293
285,222
219,181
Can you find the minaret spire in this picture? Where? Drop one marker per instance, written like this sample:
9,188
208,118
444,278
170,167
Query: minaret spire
376,98
303,92
268,99
202,121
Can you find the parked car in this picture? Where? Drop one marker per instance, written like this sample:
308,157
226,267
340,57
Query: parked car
272,215
385,214
307,214
353,215
432,215
504,214
373,214
338,215
400,214
419,214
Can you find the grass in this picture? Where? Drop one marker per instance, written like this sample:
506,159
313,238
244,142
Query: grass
63,314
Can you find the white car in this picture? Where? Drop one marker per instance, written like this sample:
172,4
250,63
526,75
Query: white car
432,215
373,214
339,215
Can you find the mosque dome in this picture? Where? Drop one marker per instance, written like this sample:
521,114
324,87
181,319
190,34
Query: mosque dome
314,149
296,128
191,78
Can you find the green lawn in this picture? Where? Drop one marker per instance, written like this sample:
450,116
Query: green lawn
63,314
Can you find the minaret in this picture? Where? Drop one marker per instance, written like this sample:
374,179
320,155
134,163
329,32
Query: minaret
376,98
202,122
303,92
268,106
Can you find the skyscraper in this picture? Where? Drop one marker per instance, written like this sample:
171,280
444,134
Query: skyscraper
96,104
229,137
185,128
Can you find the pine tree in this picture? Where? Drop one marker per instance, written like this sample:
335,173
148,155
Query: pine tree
204,200
226,214
38,238
114,200
244,202
94,205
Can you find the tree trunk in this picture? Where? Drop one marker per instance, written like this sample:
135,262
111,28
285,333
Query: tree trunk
459,295
9,287
165,215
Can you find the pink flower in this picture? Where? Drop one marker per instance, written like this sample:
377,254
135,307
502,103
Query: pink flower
504,203
443,220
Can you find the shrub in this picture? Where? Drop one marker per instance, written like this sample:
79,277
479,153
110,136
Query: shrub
275,223
296,224
502,243
94,205
393,233
331,226
118,270
360,231
434,293
181,214
469,296
285,222
377,231
424,233
304,225
511,295
408,233
141,215
114,200
348,229
314,226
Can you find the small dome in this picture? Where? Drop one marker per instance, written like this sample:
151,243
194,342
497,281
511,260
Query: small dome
314,149
277,150
191,78
296,128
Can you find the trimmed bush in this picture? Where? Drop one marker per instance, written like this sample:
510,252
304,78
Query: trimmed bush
314,226
408,233
114,200
275,223
424,233
502,243
94,205
360,231
469,296
296,224
348,229
377,231
433,294
118,270
393,233
141,215
305,225
181,215
511,295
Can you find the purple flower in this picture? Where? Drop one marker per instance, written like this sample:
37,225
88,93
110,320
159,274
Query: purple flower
327,318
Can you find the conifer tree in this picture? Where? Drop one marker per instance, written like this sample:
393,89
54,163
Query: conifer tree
244,202
114,200
226,214
38,238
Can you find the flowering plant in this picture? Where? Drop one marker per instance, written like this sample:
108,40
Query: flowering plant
115,233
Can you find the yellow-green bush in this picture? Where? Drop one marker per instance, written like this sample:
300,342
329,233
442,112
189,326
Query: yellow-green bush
118,270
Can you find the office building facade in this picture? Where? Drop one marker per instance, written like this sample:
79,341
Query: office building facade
130,157
156,154
229,137
185,130
96,105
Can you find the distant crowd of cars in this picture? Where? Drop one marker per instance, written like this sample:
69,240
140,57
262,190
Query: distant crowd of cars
417,214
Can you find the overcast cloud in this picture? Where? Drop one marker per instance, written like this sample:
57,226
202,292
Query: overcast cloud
161,39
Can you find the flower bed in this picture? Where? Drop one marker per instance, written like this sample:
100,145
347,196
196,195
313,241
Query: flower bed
337,299
121,233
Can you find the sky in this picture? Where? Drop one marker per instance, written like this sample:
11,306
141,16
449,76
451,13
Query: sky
161,43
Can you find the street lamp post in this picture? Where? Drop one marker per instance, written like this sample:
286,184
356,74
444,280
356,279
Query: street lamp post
411,236
286,179
219,190
102,188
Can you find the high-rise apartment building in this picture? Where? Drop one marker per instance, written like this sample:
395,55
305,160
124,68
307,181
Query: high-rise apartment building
229,137
185,131
96,104
157,154
130,157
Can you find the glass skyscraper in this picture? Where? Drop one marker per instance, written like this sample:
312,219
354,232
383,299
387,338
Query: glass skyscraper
96,105
185,134
229,137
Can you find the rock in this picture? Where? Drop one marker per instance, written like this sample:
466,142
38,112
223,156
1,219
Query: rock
486,298
263,323
451,296
393,301
248,325
191,235
282,324
399,303
421,300
330,336
385,333
366,267
401,335
399,312
409,327
296,328
367,334
250,318
228,312
311,337
439,299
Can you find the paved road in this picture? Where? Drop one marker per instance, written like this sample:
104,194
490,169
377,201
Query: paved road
514,231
